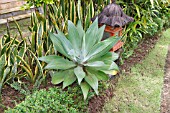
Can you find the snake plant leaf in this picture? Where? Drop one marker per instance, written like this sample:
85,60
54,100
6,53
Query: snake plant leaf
60,63
49,58
85,89
2,64
95,64
6,72
26,67
73,36
80,74
92,81
90,37
38,63
69,78
4,49
58,77
28,71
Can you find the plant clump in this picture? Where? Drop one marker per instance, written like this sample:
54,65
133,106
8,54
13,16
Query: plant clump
87,58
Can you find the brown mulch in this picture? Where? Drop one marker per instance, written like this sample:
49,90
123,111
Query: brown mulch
97,103
165,104
10,96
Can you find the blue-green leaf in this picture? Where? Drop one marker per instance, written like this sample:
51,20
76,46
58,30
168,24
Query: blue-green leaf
92,81
85,89
90,37
49,58
73,36
99,74
80,74
80,30
69,78
58,45
60,63
100,33
95,64
102,48
58,77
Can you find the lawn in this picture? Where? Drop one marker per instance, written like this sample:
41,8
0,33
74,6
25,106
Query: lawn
139,91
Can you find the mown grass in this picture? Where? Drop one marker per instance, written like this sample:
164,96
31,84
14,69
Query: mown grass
139,91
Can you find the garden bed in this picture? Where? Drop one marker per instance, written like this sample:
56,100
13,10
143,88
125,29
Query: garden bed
10,95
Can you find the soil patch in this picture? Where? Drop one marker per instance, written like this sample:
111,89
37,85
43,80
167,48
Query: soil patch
165,105
96,104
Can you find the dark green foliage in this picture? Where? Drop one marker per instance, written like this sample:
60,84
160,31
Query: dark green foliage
54,100
150,19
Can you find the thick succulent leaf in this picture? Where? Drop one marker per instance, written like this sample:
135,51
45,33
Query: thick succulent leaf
107,56
85,89
114,66
80,30
58,77
58,45
80,74
102,76
69,78
115,56
100,33
90,37
99,74
49,58
60,63
102,48
73,36
60,32
92,81
64,41
109,65
111,72
95,64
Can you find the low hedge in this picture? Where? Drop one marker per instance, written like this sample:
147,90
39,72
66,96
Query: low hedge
54,100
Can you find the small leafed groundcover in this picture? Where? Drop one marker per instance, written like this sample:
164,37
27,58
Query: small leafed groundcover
53,100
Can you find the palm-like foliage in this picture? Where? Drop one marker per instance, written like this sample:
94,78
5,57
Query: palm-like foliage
88,59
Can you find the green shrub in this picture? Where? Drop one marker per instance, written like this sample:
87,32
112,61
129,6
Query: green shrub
54,100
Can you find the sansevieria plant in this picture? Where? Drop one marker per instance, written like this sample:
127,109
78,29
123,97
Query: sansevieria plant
86,60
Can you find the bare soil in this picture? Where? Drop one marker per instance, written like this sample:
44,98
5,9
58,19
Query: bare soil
165,105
